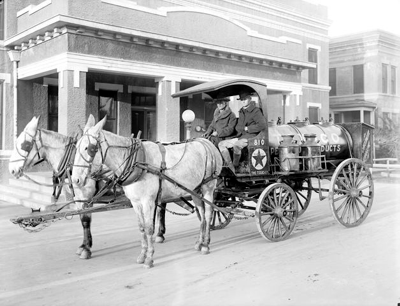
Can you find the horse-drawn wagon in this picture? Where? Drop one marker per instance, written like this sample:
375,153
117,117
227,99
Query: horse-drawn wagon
281,164
278,172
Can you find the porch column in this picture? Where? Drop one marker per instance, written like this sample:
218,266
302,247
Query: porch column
361,115
72,106
167,109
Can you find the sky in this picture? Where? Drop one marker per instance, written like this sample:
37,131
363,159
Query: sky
354,16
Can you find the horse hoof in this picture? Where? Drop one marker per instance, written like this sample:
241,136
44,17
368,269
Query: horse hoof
197,246
149,263
79,251
141,259
86,254
160,239
205,250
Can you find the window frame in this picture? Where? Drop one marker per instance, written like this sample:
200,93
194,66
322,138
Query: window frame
393,79
313,72
358,79
332,82
385,78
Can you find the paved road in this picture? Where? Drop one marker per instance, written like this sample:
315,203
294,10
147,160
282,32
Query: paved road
322,263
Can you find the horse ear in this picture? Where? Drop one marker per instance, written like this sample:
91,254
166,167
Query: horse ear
89,123
32,125
99,126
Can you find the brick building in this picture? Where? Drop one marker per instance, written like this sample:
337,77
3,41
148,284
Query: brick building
363,75
64,60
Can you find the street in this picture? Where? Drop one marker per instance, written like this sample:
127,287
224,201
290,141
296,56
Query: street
321,263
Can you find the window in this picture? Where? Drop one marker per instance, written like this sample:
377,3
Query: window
332,81
313,114
313,72
144,115
108,106
384,78
358,79
53,108
393,80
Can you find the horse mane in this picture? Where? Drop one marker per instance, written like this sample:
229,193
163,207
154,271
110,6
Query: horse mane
54,136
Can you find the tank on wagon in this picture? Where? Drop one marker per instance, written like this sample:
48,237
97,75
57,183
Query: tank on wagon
280,165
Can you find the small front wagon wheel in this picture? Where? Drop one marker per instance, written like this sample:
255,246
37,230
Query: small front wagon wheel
351,192
276,212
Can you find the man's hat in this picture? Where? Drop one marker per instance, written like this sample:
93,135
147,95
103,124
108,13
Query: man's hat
221,98
244,94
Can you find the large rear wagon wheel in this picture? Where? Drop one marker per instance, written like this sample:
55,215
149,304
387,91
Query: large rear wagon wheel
276,212
351,192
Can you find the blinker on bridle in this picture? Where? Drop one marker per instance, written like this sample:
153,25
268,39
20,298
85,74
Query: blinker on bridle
92,149
27,146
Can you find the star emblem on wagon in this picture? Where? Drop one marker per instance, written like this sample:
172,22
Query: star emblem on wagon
258,159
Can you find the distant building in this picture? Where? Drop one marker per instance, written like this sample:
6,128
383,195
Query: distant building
123,58
364,78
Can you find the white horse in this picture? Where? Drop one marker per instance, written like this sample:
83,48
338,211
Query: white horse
194,164
34,145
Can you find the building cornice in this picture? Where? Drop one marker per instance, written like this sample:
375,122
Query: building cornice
60,25
80,62
272,10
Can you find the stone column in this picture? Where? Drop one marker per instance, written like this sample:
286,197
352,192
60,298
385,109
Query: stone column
72,106
167,109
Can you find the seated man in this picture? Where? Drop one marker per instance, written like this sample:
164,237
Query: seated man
251,121
223,123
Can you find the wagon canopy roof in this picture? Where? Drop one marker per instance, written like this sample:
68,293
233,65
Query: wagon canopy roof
225,88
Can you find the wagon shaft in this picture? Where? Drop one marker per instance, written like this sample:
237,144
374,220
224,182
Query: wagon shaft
35,222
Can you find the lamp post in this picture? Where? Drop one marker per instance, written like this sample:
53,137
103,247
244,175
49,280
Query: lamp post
188,117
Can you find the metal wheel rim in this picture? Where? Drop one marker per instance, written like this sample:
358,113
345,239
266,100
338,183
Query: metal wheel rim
276,212
351,192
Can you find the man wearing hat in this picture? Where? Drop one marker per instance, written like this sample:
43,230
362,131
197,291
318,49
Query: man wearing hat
251,122
223,123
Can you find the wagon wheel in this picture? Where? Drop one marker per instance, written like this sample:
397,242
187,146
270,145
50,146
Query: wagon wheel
276,212
351,192
219,220
302,189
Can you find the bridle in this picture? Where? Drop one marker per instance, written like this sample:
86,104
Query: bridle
135,153
27,146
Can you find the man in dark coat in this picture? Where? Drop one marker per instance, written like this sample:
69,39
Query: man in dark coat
223,123
251,122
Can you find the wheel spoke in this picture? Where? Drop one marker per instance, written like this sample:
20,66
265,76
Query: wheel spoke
283,199
278,225
358,208
267,206
266,213
359,200
346,178
342,206
338,199
365,187
345,209
271,201
341,190
363,178
284,224
288,218
264,224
